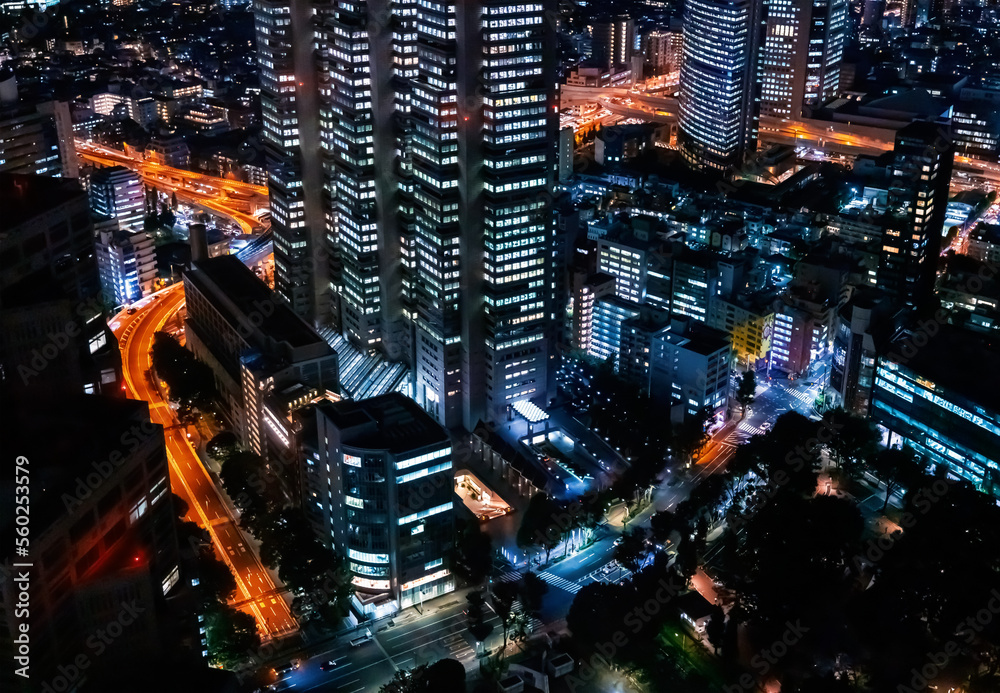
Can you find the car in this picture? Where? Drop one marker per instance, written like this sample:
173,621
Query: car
765,426
362,639
132,311
281,686
286,668
328,665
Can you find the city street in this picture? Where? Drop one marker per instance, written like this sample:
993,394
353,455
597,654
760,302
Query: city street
256,590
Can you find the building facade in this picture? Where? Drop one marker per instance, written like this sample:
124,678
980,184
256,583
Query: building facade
379,489
719,89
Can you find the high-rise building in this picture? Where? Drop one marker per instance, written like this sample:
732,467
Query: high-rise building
252,341
290,92
914,221
117,193
800,54
612,40
434,162
943,412
663,49
719,89
126,262
35,137
378,487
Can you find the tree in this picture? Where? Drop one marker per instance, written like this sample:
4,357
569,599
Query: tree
715,629
191,382
854,441
663,524
475,615
631,549
691,435
540,525
215,580
473,552
897,467
533,590
222,446
442,675
595,608
746,390
513,622
230,634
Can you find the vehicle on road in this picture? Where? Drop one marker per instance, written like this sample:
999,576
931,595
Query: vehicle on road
286,668
362,639
328,665
281,686
132,311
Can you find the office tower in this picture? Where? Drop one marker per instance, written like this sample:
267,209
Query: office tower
689,366
232,319
860,329
800,54
117,193
914,221
289,91
103,540
379,489
719,91
35,138
612,40
436,157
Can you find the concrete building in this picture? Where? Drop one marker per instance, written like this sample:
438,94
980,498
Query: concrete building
52,326
127,264
169,150
231,314
689,368
380,490
117,193
103,540
35,137
927,401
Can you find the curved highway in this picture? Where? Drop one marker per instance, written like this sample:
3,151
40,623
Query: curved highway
257,592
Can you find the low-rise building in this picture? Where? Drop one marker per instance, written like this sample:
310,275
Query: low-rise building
927,397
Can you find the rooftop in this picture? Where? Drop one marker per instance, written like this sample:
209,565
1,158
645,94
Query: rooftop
227,277
390,422
24,196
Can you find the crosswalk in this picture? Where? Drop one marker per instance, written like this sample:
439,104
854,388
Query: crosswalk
534,623
804,397
554,580
509,576
561,583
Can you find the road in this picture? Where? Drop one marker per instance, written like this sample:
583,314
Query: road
232,199
440,632
257,593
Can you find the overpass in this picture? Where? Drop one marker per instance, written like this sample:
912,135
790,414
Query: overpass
833,137
232,199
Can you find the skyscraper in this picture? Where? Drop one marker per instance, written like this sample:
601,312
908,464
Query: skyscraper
800,54
435,157
719,92
290,114
117,193
917,202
